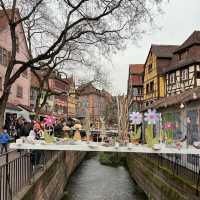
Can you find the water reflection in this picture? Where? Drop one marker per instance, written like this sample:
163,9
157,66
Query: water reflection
93,181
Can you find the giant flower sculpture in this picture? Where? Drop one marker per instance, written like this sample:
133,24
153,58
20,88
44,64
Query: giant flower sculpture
136,118
49,121
151,116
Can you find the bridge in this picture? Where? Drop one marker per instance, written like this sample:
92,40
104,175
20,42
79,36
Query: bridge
100,147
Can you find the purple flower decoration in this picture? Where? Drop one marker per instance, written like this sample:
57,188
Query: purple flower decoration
151,116
136,118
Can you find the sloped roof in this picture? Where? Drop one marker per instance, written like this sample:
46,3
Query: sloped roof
88,88
181,63
194,38
25,107
184,97
12,106
136,68
163,51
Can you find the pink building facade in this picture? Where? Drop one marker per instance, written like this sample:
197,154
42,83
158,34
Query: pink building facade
20,91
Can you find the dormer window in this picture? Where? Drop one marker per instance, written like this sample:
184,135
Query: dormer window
179,56
183,55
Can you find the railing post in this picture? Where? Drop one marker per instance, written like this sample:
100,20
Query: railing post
0,182
6,188
197,186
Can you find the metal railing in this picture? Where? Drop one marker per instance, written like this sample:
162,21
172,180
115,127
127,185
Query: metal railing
19,172
187,167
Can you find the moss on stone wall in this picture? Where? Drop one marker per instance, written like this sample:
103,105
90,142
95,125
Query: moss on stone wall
157,182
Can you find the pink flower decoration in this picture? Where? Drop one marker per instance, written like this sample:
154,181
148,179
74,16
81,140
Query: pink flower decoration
151,116
168,125
49,121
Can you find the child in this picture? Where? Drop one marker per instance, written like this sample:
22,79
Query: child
4,140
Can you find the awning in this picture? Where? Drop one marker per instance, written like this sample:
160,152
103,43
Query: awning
12,106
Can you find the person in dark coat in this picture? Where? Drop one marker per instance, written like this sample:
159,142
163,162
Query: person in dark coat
25,129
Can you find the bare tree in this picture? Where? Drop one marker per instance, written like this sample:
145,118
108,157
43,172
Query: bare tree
99,24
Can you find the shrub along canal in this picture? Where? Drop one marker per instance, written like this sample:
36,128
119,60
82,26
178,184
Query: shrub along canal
94,181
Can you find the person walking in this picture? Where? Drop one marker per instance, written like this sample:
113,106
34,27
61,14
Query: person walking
4,140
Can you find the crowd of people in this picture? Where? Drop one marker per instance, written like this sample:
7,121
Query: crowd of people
15,128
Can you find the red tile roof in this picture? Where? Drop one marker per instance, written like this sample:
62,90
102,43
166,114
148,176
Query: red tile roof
136,68
136,74
136,80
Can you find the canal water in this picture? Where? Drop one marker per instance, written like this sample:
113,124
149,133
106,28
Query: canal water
93,181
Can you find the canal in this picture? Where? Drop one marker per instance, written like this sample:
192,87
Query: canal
94,181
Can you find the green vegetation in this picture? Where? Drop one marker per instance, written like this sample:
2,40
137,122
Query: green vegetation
112,159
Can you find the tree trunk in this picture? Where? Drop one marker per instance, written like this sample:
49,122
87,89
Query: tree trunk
3,101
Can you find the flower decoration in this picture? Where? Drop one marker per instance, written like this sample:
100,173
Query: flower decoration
136,118
168,126
49,121
151,116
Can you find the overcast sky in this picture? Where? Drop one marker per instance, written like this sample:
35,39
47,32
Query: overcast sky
180,19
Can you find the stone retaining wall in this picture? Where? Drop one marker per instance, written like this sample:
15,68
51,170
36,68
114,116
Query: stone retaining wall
157,182
50,183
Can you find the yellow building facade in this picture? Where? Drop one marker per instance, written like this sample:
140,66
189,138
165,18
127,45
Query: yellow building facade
158,59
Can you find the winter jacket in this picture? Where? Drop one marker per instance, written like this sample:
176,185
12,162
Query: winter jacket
4,138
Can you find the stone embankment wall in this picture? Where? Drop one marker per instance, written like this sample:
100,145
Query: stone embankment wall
50,183
157,182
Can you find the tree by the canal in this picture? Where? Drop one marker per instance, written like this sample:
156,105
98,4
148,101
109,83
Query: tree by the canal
99,26
110,113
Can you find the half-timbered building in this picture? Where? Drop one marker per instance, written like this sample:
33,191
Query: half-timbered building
158,59
184,70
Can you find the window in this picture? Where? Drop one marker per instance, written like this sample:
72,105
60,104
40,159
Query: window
17,43
19,91
172,78
4,56
140,91
1,84
150,68
147,88
151,86
198,75
183,55
184,74
135,92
